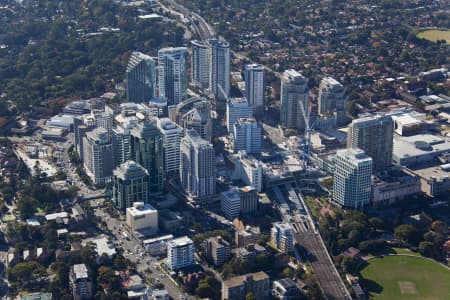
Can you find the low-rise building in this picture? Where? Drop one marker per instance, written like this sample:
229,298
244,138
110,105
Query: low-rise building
250,235
238,287
286,289
37,296
104,247
434,180
216,250
387,190
157,246
142,217
416,150
169,221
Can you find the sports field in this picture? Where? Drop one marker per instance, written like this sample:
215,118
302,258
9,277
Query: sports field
405,278
435,35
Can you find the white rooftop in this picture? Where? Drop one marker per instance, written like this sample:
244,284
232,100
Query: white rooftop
181,241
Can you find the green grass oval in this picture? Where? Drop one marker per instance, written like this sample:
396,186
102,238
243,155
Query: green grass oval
435,35
405,278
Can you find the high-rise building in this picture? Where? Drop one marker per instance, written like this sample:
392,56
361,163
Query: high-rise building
352,178
294,90
216,250
237,108
254,84
249,170
220,68
230,203
199,119
80,282
238,201
140,78
172,74
147,149
130,184
98,156
200,64
180,253
158,107
238,287
247,135
80,129
172,135
249,199
197,170
282,237
142,216
332,100
374,135
121,139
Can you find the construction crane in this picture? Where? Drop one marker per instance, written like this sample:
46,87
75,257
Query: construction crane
307,137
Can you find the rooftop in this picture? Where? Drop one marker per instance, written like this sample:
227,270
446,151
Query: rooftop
420,144
80,271
140,209
240,280
180,242
354,154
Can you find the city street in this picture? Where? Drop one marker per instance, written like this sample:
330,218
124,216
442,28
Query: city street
135,252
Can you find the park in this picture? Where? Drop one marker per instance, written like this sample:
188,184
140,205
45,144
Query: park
405,277
435,35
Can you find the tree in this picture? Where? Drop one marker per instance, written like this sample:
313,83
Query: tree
439,227
406,233
25,271
287,272
250,296
204,290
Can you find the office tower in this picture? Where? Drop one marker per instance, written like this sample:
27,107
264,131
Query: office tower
140,78
352,178
254,84
80,283
158,108
172,74
230,203
374,135
249,170
200,64
216,250
332,100
247,135
220,68
282,237
238,287
199,119
142,217
294,90
237,201
130,184
237,108
180,253
121,138
147,150
197,170
98,156
172,135
249,199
